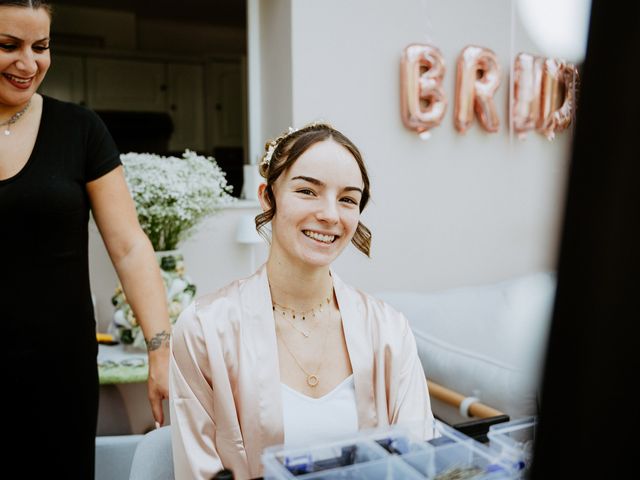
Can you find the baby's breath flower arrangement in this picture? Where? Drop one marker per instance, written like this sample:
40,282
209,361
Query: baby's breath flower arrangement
172,195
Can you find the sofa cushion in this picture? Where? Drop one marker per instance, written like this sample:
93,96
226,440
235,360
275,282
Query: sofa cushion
485,341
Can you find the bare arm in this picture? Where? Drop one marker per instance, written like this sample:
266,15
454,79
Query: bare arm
137,268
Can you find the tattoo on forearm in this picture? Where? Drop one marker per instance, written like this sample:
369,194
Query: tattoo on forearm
157,340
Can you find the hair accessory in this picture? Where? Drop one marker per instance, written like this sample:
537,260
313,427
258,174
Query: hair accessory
14,118
266,160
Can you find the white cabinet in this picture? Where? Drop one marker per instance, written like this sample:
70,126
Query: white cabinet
186,106
225,106
65,79
127,85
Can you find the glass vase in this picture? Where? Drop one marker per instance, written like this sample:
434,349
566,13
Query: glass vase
180,291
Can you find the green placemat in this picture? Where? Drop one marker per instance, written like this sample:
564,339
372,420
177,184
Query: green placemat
110,374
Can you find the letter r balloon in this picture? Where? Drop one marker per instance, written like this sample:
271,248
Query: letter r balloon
423,101
477,79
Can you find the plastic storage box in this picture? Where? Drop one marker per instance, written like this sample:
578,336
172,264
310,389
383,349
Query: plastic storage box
514,442
349,458
457,456
391,453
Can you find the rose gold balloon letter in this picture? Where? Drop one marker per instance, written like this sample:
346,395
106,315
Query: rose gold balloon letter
527,81
477,79
423,101
558,97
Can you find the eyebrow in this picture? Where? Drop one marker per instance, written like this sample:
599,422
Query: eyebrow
20,40
320,183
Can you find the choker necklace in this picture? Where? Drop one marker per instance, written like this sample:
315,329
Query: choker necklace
14,118
304,314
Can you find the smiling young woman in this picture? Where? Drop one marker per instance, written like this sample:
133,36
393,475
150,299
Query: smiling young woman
293,354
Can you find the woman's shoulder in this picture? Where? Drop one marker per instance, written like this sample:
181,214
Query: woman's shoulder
62,106
216,308
379,313
370,301
69,113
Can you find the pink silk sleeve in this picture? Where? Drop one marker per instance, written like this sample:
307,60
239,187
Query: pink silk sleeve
193,428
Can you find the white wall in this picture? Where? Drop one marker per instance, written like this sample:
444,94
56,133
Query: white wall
452,210
276,81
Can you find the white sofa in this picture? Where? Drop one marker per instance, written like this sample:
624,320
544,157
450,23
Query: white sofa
485,341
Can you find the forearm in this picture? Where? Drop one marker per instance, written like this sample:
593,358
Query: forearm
139,274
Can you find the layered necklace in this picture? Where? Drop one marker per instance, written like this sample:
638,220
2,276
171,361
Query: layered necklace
285,312
14,118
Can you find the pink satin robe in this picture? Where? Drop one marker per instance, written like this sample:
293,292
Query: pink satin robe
225,391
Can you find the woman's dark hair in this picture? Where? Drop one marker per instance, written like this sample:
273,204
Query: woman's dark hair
35,4
283,152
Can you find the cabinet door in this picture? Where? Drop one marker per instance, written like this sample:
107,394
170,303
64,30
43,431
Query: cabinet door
225,106
129,85
186,106
65,79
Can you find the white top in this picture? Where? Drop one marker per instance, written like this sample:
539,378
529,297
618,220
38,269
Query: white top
310,420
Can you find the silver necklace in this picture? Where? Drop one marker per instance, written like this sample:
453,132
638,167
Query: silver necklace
14,118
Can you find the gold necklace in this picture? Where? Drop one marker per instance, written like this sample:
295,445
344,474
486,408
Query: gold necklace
304,314
284,310
304,333
312,378
14,118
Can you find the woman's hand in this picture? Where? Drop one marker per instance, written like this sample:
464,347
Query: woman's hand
158,381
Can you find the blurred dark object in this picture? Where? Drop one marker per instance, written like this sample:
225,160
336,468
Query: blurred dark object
142,132
588,400
224,474
479,427
230,160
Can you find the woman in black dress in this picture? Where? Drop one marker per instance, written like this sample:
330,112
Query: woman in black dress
58,163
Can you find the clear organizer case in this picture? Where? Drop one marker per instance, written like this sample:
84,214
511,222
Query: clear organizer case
514,442
392,453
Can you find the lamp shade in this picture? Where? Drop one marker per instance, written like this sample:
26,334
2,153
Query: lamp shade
246,231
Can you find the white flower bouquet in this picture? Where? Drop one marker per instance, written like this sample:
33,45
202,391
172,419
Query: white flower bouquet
172,195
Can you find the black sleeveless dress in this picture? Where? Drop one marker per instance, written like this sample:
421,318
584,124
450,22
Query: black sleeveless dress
49,345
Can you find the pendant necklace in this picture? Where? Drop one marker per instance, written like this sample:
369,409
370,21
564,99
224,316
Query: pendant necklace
14,118
312,378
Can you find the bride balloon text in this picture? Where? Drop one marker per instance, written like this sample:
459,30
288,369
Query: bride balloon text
544,91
